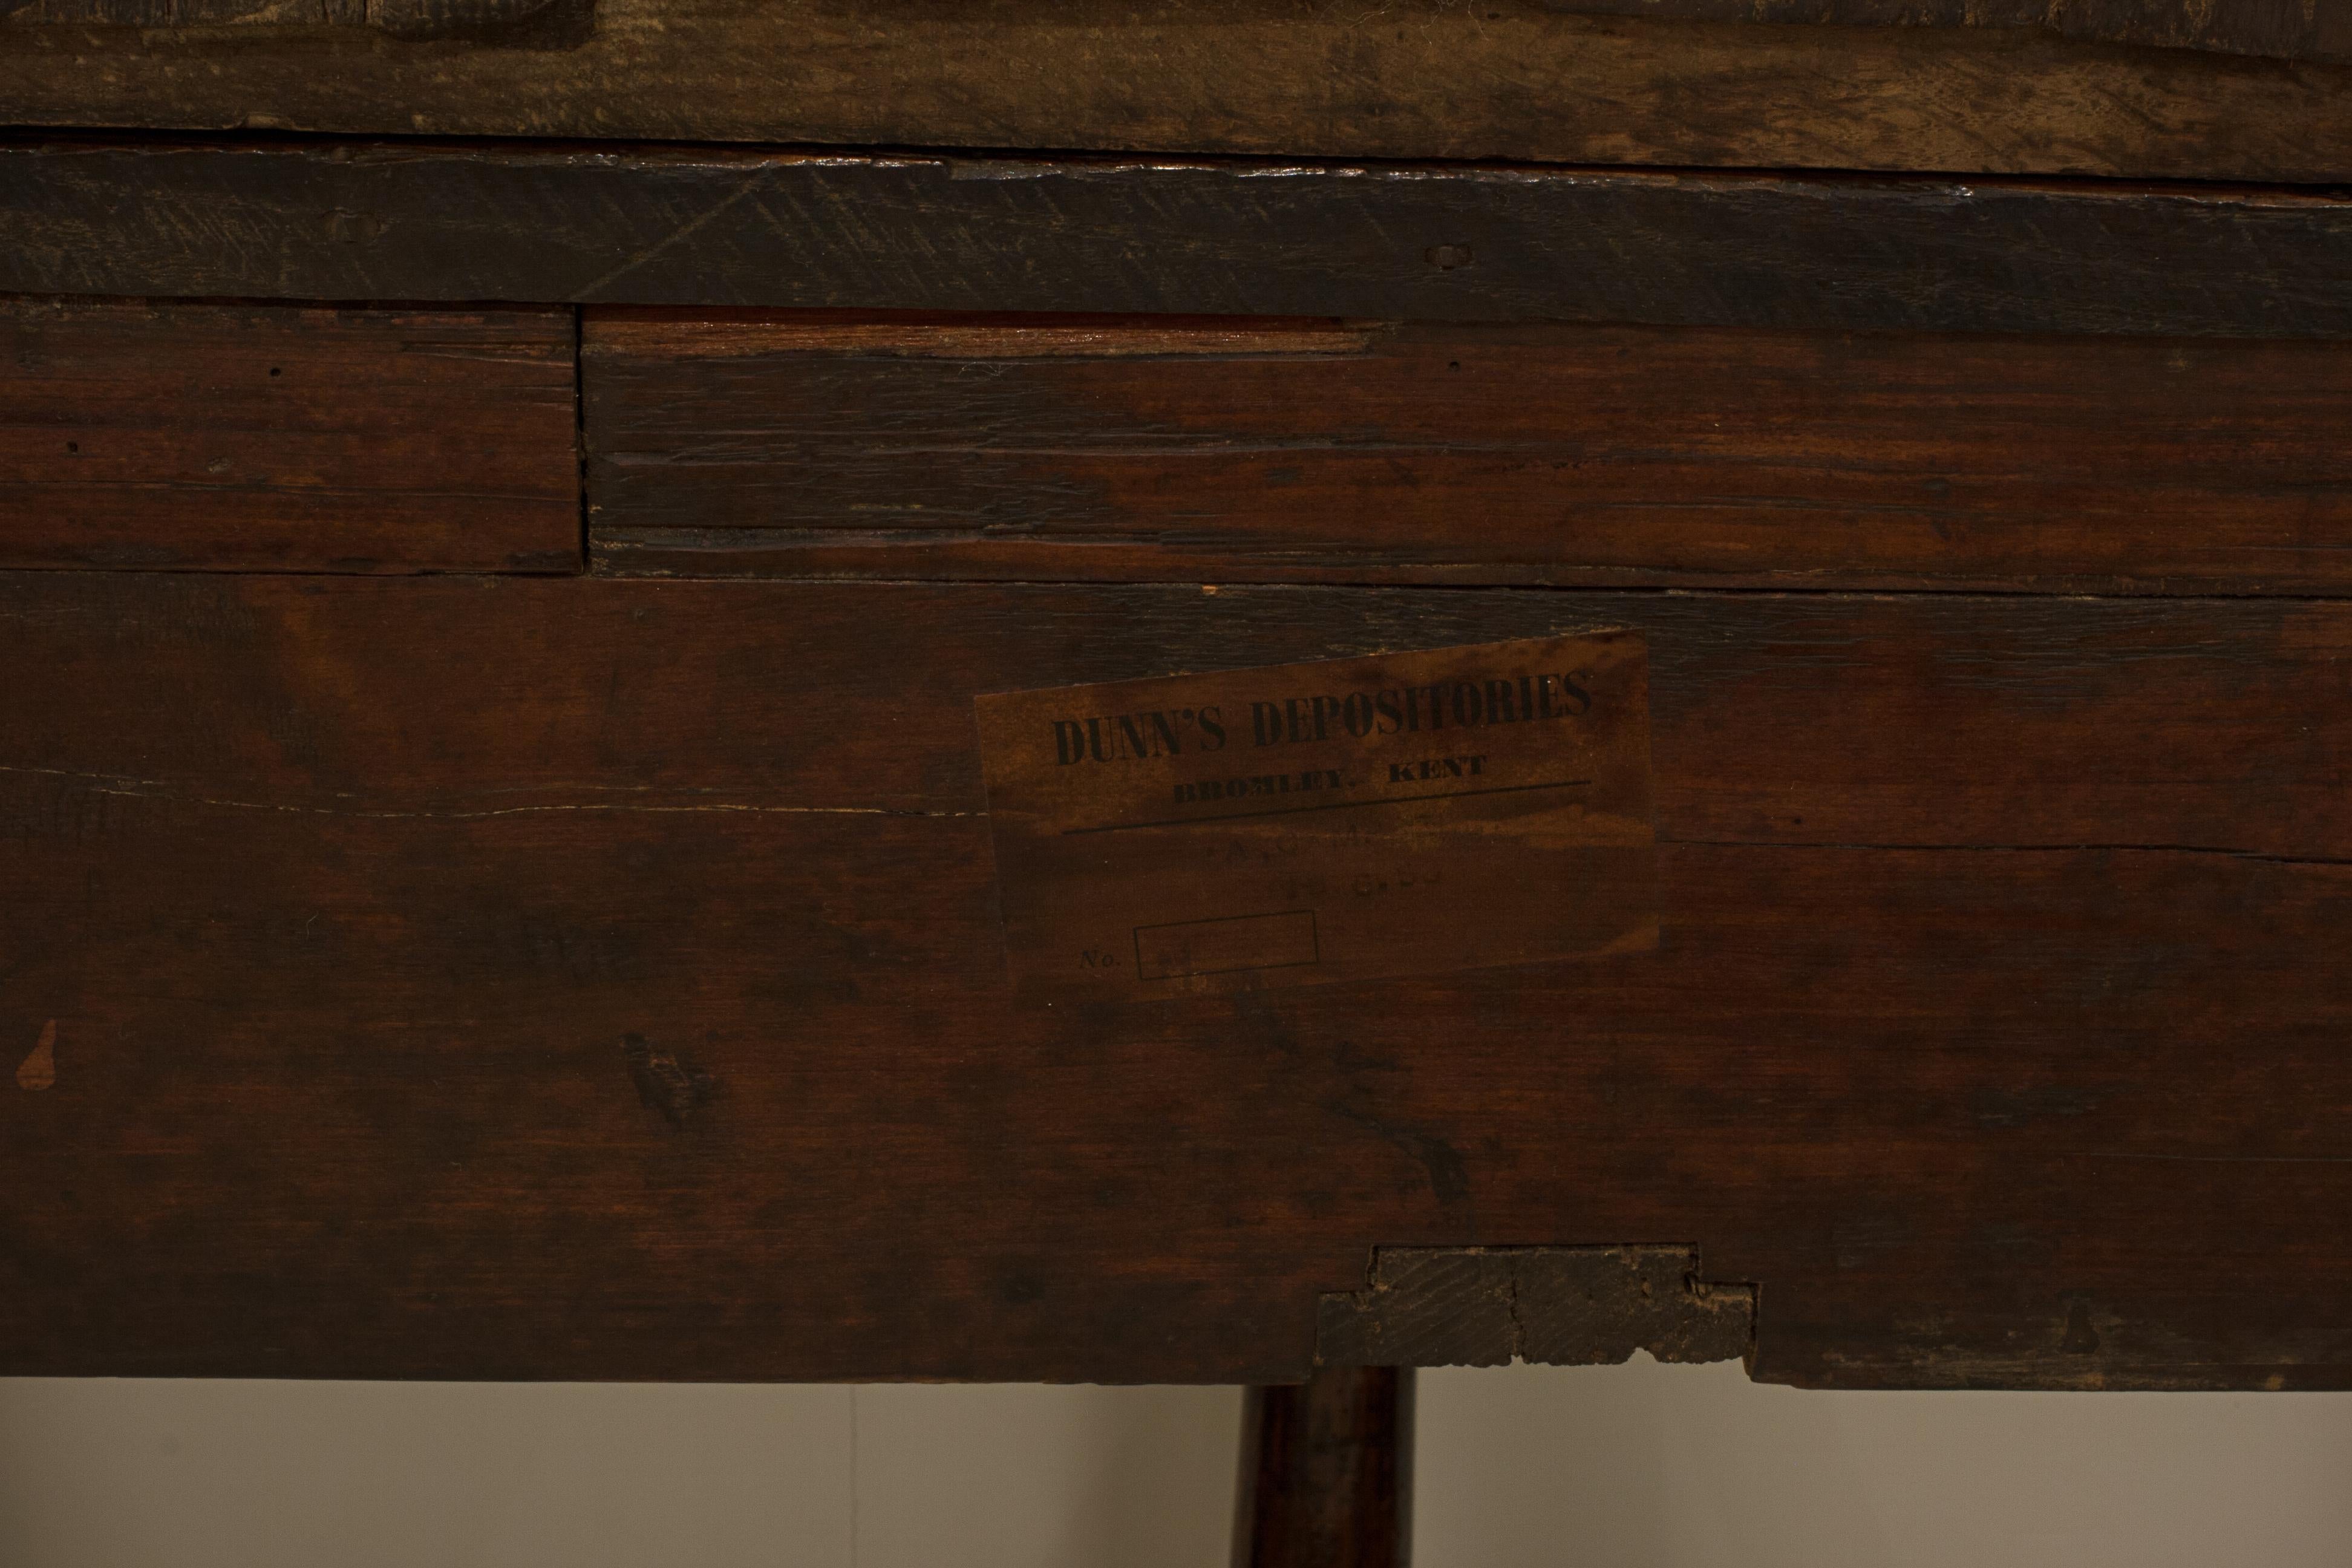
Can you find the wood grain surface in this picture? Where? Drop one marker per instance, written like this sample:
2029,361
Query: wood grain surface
1233,450
201,436
1548,1305
1327,1472
1514,79
704,228
506,22
508,977
2280,29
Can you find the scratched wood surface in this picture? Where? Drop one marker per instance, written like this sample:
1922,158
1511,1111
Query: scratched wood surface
279,439
1233,449
1517,79
511,977
706,228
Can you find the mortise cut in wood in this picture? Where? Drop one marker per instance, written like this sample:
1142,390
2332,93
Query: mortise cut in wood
782,444
281,439
1557,1306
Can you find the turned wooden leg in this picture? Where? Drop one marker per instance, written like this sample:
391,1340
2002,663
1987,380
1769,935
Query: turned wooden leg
1327,1472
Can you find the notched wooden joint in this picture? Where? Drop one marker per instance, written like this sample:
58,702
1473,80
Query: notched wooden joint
1557,1306
668,1081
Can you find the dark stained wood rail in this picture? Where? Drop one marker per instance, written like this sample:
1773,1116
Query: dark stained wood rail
546,23
713,228
1510,79
2281,29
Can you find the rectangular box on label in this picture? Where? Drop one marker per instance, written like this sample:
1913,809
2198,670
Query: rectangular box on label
1405,813
1222,946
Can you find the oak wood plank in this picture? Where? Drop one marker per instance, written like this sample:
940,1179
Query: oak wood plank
1132,448
714,228
644,1013
210,437
1515,80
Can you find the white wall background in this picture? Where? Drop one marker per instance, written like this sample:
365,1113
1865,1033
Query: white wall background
1635,1467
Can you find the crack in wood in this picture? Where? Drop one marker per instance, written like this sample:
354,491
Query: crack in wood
166,794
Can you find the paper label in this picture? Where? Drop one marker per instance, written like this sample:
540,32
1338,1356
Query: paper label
1348,819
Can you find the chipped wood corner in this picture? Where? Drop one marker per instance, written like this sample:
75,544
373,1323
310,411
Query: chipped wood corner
39,1070
1554,1306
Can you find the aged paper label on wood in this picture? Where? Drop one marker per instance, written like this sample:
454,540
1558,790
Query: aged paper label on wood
1404,814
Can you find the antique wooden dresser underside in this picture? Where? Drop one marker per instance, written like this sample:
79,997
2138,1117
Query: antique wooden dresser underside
506,507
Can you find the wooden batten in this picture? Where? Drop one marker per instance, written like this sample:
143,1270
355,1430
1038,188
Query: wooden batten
807,445
1521,80
706,229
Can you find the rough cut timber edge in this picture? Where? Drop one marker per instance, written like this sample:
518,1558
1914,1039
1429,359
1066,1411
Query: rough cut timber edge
1453,242
1514,80
1556,1305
